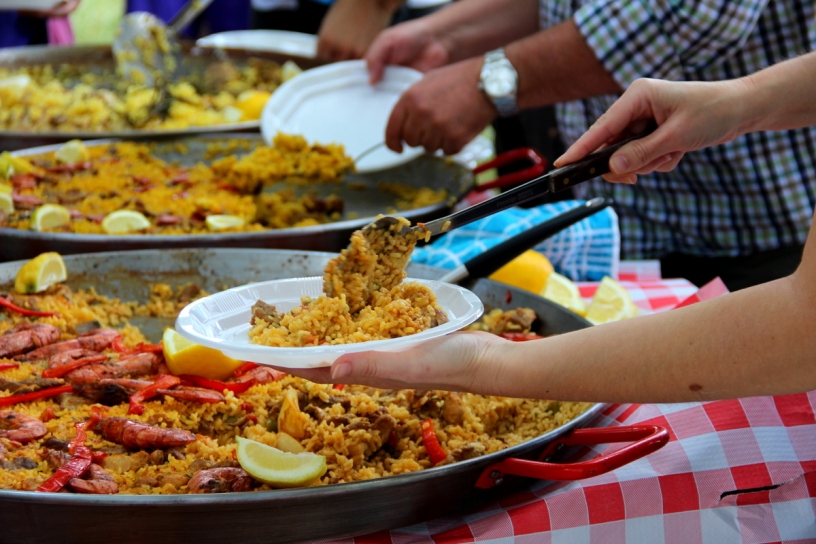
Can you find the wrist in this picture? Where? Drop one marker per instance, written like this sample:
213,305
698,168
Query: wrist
752,102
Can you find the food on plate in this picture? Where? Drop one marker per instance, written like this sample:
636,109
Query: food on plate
87,405
364,299
611,302
563,291
71,98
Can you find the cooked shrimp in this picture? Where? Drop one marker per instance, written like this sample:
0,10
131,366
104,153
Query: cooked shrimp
27,336
219,480
193,394
108,391
97,482
55,458
65,357
137,435
20,427
141,364
97,342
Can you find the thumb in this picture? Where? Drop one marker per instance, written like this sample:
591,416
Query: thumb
637,154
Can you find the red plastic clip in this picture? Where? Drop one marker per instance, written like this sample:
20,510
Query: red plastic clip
647,439
537,168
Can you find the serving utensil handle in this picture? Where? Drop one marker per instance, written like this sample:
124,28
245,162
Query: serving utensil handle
647,439
593,165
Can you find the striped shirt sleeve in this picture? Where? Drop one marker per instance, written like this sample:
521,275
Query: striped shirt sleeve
665,39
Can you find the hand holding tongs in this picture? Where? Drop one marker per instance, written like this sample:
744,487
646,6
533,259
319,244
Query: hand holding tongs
591,166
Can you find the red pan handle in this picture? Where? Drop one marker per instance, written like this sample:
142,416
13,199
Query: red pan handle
537,167
647,439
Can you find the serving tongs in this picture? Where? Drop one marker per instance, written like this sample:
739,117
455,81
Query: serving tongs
591,166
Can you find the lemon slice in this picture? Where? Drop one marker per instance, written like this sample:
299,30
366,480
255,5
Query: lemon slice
528,271
40,273
185,357
289,70
252,103
49,216
124,221
610,303
223,222
277,468
288,444
564,292
6,199
11,164
72,152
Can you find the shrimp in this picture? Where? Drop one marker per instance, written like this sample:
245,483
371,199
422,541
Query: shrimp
98,341
97,482
108,391
193,394
136,435
27,336
219,480
141,364
20,427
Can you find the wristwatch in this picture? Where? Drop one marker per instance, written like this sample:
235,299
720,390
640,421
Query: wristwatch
499,81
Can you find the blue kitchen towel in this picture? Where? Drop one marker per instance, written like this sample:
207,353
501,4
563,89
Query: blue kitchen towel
586,251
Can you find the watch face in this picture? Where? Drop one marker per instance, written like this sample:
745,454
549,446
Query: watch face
500,82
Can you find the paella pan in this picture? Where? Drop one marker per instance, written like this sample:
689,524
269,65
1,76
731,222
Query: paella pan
321,511
78,95
362,196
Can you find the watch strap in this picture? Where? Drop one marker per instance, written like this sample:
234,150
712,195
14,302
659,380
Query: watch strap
505,105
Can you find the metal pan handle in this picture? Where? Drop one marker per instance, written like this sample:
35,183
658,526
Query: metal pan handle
647,439
537,167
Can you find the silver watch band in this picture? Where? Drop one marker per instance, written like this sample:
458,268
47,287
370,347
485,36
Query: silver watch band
496,60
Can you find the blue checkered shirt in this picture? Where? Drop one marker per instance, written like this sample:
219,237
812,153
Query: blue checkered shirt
753,194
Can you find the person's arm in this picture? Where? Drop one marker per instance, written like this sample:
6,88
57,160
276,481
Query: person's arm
350,26
694,115
759,341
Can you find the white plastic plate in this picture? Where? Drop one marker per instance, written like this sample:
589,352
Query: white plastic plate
336,104
6,5
221,321
276,41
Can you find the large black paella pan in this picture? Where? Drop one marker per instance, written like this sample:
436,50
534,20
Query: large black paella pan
315,513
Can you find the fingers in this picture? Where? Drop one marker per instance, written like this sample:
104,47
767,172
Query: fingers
644,155
394,128
376,58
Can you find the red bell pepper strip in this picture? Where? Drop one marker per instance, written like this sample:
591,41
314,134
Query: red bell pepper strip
339,386
520,336
36,395
48,414
8,366
60,371
6,303
244,368
165,381
118,345
216,385
81,459
435,452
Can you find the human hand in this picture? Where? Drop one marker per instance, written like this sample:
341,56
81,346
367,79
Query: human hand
63,9
351,25
463,361
690,116
444,110
411,44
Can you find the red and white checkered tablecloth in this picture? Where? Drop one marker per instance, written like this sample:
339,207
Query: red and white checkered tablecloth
734,471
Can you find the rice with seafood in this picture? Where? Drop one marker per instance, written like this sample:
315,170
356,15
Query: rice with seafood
364,299
184,439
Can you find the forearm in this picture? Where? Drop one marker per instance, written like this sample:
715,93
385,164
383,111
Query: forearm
754,342
469,28
556,65
781,97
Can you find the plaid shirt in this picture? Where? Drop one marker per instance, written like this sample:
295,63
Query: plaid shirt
753,194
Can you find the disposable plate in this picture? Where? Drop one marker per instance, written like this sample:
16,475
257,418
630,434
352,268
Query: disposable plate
276,41
336,104
221,321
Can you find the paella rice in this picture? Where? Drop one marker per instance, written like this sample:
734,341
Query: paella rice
364,433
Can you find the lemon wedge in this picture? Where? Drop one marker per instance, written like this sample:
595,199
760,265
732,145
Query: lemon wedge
277,468
251,103
40,273
12,164
223,222
288,444
72,152
610,303
564,292
6,199
185,357
49,216
124,221
289,70
528,271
